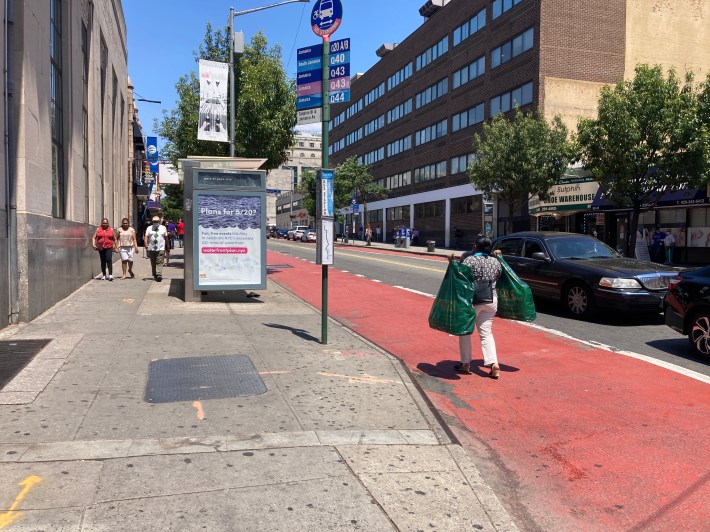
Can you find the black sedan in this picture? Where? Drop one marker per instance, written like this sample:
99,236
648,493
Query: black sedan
688,308
583,273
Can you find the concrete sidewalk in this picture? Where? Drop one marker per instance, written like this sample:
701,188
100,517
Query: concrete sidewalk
341,439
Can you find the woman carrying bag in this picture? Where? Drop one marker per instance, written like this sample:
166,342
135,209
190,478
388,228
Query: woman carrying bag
486,272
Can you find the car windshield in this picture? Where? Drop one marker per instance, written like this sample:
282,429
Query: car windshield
580,247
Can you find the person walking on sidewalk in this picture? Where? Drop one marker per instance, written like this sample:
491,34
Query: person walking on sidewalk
127,247
181,232
368,235
155,241
377,233
486,272
172,233
669,243
168,243
104,241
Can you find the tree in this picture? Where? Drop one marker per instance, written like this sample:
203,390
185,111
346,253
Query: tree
648,138
172,202
266,105
519,157
342,193
359,183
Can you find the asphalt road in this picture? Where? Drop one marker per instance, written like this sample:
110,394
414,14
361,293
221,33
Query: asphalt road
644,334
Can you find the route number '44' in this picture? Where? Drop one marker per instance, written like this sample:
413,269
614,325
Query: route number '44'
338,97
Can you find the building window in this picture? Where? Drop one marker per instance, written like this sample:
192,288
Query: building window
353,137
432,209
469,28
300,144
430,133
503,103
354,108
469,72
430,94
399,76
399,146
56,107
467,205
513,48
374,94
460,164
377,123
433,53
397,180
501,6
399,111
374,156
429,172
468,118
311,145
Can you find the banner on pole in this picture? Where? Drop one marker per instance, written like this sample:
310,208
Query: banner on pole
214,81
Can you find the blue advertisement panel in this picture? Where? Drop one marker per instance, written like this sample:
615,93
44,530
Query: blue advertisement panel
151,153
228,244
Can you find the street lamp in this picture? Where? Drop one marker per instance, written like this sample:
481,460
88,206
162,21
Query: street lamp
233,14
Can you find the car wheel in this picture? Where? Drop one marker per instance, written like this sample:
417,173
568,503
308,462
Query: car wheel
579,301
699,335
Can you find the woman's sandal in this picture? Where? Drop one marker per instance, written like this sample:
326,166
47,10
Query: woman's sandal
495,371
462,368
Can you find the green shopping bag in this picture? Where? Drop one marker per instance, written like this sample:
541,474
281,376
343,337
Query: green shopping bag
452,311
515,299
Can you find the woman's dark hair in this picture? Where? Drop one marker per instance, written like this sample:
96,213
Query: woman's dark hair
483,244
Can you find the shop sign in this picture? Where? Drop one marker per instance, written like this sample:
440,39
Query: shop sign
569,194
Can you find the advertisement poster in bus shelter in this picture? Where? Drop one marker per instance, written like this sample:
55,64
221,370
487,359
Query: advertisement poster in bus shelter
229,245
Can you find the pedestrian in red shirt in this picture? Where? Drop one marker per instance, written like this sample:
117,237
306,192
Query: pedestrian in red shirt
104,241
181,232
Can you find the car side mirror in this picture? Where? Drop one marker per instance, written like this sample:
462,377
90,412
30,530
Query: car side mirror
539,255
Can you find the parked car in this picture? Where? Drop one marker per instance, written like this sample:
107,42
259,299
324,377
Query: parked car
271,231
296,232
583,273
308,235
687,308
282,232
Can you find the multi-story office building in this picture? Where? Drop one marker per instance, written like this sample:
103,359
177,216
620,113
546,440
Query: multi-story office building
65,117
412,116
305,156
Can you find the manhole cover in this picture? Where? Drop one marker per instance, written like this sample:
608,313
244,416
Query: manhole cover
15,355
201,378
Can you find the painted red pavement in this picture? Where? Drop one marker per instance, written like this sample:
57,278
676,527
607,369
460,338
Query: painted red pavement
594,440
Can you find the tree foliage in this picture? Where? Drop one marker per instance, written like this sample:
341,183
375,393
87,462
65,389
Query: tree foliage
648,138
352,180
266,105
519,157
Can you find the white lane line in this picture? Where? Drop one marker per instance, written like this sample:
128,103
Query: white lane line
415,291
376,281
666,365
359,275
345,271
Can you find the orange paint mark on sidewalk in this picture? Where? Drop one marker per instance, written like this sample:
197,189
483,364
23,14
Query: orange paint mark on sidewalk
200,411
365,378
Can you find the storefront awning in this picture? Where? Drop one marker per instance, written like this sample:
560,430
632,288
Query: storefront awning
679,198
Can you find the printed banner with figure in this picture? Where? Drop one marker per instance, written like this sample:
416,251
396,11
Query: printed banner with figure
214,80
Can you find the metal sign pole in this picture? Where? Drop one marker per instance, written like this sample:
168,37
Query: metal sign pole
324,164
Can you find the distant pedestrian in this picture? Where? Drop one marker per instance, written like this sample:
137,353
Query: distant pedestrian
657,244
127,247
104,241
457,237
415,236
181,232
172,233
669,243
168,244
486,272
368,235
155,241
377,232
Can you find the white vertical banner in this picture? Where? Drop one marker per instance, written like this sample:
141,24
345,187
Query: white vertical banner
214,81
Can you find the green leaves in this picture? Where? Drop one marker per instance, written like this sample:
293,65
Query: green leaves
266,105
519,157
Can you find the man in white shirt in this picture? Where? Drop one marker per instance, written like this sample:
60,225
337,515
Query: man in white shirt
669,243
155,240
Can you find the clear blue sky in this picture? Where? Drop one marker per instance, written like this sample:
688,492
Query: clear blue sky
162,35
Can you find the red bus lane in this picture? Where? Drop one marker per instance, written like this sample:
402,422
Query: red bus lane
593,440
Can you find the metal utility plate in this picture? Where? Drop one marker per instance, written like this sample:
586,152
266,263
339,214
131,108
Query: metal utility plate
200,378
15,355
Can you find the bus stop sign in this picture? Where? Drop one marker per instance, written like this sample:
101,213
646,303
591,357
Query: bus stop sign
326,17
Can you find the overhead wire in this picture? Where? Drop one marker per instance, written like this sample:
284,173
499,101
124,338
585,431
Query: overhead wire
295,38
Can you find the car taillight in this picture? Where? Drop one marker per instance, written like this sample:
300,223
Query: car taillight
673,283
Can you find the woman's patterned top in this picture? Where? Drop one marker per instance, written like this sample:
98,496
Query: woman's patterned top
485,268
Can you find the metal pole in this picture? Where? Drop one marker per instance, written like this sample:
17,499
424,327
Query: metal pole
324,164
232,82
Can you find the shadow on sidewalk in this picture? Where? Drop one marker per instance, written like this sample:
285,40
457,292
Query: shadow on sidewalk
444,369
301,333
